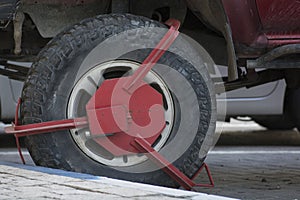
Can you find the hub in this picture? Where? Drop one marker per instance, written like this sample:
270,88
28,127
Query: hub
117,117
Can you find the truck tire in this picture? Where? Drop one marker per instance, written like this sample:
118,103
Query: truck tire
278,122
275,122
293,98
52,85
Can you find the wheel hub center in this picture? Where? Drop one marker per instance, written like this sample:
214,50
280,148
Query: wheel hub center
117,117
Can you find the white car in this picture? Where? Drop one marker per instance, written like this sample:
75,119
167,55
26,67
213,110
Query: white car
265,104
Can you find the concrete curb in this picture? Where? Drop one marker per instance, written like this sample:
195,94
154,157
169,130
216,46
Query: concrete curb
69,183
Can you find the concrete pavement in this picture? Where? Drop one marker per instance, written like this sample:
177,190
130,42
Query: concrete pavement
261,172
245,172
255,172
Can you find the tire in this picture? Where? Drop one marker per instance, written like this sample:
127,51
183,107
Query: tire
293,98
276,122
52,83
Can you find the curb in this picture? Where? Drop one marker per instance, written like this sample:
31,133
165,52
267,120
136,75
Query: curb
100,184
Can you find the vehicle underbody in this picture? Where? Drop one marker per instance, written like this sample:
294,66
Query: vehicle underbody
36,22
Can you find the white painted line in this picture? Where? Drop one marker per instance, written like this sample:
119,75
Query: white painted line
252,152
12,153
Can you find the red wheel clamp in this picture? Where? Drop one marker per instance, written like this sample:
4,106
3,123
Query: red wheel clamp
116,108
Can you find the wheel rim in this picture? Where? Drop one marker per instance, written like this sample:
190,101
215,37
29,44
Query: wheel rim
87,85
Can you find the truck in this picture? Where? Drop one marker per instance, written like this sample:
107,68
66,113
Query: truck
129,87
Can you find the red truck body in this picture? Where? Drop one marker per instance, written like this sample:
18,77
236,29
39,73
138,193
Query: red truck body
264,23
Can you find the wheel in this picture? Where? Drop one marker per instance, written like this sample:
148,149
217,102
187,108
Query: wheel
73,65
293,98
276,122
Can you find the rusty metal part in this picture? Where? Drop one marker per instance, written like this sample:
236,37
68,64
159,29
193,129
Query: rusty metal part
174,9
18,24
213,15
269,59
8,9
232,60
277,64
13,71
51,17
245,22
252,79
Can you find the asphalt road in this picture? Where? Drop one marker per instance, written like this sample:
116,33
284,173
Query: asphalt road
255,172
246,172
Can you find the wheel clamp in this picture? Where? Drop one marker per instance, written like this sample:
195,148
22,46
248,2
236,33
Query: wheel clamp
134,131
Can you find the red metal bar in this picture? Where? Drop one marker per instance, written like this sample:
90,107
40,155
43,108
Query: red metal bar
19,148
17,112
173,23
46,127
164,44
143,146
204,166
17,139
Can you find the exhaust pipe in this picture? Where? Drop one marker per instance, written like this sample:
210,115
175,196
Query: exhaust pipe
271,60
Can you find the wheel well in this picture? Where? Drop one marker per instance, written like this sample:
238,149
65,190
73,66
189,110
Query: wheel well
213,42
53,22
51,18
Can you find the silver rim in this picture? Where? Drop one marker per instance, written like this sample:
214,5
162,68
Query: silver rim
83,90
